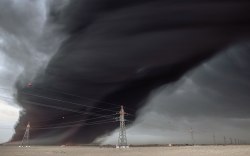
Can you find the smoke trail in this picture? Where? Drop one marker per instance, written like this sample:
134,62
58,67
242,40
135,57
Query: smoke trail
117,52
212,98
27,40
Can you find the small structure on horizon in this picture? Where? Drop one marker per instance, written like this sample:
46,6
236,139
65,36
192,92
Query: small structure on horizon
26,136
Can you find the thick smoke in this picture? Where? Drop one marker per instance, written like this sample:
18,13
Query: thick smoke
118,52
212,99
27,40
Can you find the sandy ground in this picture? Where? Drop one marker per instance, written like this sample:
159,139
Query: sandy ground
133,151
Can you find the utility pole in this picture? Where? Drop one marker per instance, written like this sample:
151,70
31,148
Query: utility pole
26,136
231,141
225,140
214,139
122,140
192,135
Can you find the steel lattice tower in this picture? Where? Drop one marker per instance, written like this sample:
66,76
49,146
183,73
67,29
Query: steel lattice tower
122,140
214,139
231,141
26,136
225,140
192,135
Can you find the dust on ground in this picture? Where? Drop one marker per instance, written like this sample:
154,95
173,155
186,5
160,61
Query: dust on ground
243,150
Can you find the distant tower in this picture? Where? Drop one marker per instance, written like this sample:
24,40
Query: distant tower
231,141
122,140
225,140
214,140
192,135
26,136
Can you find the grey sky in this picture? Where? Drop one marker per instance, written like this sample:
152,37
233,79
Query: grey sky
27,41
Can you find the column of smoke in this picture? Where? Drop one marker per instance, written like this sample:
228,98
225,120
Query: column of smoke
118,52
28,39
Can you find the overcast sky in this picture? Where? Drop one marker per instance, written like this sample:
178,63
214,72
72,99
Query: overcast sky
176,65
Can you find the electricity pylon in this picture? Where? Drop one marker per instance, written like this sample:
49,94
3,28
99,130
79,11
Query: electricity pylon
214,140
225,140
231,141
122,140
26,136
192,135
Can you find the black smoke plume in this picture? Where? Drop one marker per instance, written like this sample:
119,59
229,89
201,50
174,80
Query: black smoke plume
117,53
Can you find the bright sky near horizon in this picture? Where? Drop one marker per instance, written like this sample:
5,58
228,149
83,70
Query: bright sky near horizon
8,117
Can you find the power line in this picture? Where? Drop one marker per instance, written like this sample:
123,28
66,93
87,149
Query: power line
79,121
74,125
5,88
82,97
55,107
64,101
74,103
103,109
5,128
65,93
60,108
8,98
65,126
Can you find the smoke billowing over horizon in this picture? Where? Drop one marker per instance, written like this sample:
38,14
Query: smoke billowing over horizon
172,64
27,40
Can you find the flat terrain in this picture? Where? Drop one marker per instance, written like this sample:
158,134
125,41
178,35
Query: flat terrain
133,151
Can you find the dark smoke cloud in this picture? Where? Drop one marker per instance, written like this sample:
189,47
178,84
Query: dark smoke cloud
119,51
27,41
212,98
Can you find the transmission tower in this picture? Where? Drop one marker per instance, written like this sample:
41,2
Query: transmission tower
26,136
231,141
225,140
214,139
122,140
192,135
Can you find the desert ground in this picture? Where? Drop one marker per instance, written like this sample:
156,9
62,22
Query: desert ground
132,151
